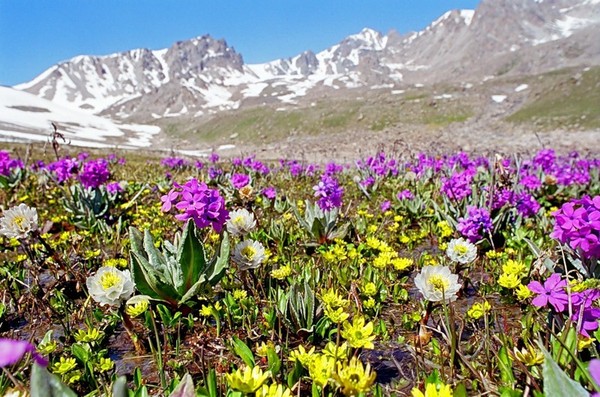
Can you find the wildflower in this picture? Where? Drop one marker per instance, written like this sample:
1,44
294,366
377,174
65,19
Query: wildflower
198,202
269,192
437,283
336,315
320,369
402,263
109,285
329,193
137,305
552,292
303,356
94,173
369,289
8,164
240,294
282,272
529,356
523,292
358,334
333,299
509,280
337,352
238,181
248,254
479,309
12,351
514,267
369,303
405,195
275,390
105,364
240,222
594,369
247,380
577,223
89,336
19,221
444,229
461,251
64,365
354,378
476,224
433,390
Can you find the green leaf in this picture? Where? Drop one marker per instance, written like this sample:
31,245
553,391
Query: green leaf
80,352
274,361
211,383
119,388
45,384
194,290
243,351
556,382
505,364
190,256
185,388
219,263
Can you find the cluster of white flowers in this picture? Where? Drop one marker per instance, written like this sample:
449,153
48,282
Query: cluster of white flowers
109,286
19,221
248,254
461,251
437,283
241,222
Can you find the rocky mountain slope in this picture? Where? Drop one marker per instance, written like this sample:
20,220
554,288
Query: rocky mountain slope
194,80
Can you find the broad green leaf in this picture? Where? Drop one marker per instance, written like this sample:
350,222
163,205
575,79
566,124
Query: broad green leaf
190,256
243,351
218,265
274,361
556,382
119,388
185,388
45,384
505,364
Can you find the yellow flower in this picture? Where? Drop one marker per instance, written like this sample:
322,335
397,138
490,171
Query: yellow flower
282,272
335,315
509,280
333,299
523,292
373,242
583,342
384,259
91,335
358,334
247,380
402,263
320,369
431,390
514,267
64,365
275,390
479,309
116,262
369,303
303,356
137,305
340,353
529,356
353,378
444,229
240,294
105,364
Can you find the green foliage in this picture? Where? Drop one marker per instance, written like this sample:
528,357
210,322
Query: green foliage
322,226
177,274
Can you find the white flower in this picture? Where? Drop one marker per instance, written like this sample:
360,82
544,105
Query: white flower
19,221
240,222
110,285
248,254
461,251
437,283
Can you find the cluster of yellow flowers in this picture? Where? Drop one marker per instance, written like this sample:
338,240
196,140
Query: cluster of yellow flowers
512,273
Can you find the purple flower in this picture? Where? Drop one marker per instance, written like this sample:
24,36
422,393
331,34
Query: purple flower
198,202
174,163
476,224
458,186
12,351
240,180
405,195
114,188
94,173
594,368
577,223
213,158
8,164
587,319
64,169
329,193
553,292
385,205
269,192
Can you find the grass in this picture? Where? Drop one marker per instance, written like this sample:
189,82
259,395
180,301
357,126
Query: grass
562,101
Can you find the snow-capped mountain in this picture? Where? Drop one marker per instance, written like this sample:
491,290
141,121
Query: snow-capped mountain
203,75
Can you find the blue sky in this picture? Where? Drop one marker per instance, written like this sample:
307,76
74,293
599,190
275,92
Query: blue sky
36,34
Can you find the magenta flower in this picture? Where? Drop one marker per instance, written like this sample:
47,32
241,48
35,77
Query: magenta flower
12,351
594,368
240,180
553,292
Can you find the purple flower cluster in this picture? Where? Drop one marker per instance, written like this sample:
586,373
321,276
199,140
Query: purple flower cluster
238,181
195,200
94,173
270,192
476,225
406,194
577,223
553,292
174,163
526,205
8,164
114,188
379,165
64,169
458,186
329,193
